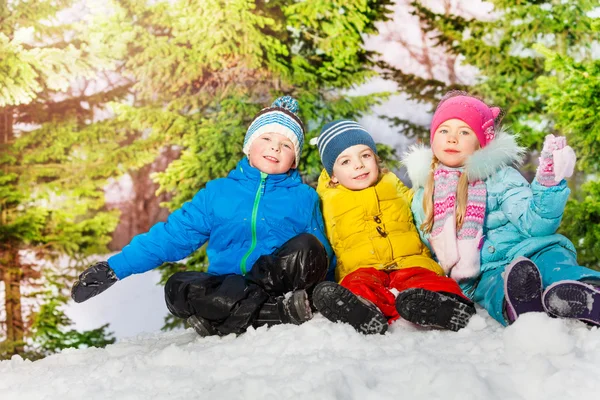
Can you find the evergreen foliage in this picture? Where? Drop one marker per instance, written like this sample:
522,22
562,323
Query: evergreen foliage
572,92
501,48
51,172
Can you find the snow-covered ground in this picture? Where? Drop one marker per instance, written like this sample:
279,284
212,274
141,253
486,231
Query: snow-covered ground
536,358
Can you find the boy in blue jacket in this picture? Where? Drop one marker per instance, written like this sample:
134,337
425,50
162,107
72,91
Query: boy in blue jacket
265,238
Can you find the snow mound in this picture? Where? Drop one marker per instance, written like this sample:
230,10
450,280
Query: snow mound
536,358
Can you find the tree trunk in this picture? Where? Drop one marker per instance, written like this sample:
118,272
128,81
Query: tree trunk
12,277
143,210
10,269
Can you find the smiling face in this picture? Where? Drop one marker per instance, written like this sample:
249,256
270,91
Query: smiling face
272,153
356,168
454,141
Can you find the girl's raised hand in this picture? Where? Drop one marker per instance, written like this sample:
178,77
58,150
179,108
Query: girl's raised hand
557,161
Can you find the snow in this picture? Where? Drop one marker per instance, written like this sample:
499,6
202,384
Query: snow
536,358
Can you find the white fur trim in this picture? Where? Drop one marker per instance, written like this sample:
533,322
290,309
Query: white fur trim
501,152
418,163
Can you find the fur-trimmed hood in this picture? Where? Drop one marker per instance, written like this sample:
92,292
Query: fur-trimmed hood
501,152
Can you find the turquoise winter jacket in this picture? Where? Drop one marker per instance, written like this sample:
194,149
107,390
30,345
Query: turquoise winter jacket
243,216
521,218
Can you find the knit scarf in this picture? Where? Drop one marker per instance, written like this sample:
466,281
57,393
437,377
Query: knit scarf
458,254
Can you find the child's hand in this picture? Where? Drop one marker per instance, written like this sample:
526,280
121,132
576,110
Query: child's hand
557,161
93,281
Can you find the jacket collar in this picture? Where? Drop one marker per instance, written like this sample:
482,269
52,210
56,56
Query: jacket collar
245,173
501,152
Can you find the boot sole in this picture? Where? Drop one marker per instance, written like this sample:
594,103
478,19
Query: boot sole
573,299
338,304
433,309
523,287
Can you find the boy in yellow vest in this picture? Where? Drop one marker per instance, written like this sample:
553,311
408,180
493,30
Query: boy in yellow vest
369,224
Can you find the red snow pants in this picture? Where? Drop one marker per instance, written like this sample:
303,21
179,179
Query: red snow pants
374,285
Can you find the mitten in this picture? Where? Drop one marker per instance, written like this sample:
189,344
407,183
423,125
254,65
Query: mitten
93,281
557,161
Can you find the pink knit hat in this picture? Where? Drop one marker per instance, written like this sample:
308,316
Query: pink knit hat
470,110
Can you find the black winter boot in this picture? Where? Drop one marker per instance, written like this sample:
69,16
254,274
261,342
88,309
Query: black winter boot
339,304
434,309
293,309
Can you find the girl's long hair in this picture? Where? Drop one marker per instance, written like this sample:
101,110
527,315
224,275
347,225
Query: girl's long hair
461,198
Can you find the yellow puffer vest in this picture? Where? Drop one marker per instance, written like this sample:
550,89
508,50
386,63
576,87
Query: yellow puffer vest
373,227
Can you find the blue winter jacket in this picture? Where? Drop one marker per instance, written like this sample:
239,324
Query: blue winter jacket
243,216
521,218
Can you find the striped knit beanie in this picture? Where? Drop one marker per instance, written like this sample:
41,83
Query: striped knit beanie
336,137
281,117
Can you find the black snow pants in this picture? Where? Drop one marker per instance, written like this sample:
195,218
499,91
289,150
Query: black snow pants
230,303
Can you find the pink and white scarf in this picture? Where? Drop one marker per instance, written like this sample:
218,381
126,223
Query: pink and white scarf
458,254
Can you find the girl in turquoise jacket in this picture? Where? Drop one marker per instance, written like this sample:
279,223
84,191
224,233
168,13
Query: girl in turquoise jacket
489,228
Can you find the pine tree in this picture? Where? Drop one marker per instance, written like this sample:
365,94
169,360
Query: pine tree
203,69
501,50
52,169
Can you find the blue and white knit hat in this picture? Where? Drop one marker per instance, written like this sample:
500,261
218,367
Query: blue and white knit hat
336,137
281,117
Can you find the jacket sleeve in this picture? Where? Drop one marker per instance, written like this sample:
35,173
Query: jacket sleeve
186,229
535,210
317,228
404,191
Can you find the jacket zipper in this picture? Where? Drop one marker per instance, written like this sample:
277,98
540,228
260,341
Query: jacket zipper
259,191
